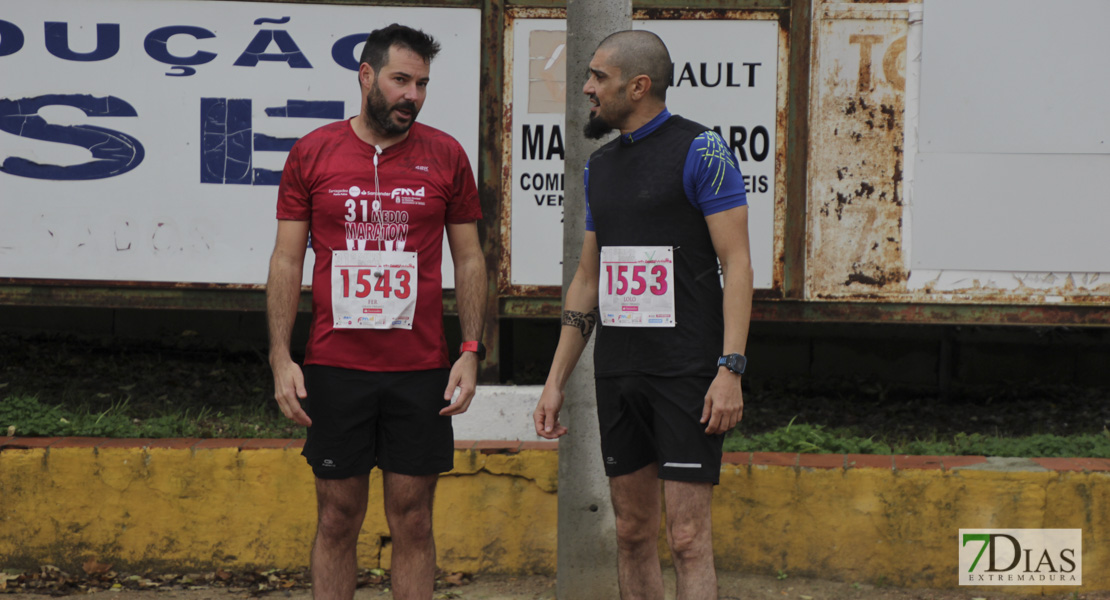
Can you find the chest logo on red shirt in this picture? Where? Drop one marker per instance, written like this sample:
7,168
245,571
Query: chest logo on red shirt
408,196
371,226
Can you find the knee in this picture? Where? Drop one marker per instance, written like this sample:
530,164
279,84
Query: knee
339,521
633,533
689,541
413,520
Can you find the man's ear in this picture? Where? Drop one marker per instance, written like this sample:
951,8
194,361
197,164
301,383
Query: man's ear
639,87
365,74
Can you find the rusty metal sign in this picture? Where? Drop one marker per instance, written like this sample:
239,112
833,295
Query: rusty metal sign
864,99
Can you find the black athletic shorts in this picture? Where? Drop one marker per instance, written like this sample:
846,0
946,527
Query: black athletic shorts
645,419
363,419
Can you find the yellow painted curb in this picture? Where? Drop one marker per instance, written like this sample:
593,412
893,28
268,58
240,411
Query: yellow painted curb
150,508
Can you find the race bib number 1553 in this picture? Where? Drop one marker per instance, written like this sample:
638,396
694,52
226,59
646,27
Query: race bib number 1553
637,286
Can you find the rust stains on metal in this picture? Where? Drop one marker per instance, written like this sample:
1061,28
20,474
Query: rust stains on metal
856,124
490,167
703,14
531,307
896,180
534,12
127,284
892,311
873,275
888,111
1031,288
782,116
504,274
855,249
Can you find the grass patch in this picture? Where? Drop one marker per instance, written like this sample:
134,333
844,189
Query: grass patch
69,385
817,439
66,385
26,416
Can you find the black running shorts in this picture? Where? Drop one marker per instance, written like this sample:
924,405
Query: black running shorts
647,419
363,419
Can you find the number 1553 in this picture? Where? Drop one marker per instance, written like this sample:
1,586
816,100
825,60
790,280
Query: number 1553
633,279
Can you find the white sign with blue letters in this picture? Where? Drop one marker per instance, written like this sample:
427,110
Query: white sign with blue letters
144,141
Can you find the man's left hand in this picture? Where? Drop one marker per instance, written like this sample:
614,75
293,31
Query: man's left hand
464,377
724,403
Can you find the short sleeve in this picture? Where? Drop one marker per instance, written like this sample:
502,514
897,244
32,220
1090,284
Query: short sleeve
294,200
463,206
711,177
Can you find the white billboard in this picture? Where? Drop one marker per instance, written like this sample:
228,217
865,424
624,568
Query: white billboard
143,141
1012,177
725,77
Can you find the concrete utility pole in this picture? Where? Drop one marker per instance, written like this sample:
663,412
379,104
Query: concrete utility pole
587,552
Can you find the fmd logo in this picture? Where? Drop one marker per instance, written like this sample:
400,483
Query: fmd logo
408,196
1021,557
406,192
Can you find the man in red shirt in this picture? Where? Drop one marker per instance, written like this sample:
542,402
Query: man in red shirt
376,192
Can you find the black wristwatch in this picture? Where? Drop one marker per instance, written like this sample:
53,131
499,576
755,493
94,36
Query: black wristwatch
476,347
733,362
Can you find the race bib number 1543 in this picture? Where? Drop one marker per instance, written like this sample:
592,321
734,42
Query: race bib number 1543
373,290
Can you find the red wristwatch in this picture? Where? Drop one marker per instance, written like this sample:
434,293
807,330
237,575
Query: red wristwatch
476,347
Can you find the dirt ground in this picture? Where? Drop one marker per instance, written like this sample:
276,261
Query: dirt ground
733,586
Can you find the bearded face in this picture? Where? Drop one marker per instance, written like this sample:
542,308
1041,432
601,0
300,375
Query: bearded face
393,119
608,94
395,92
597,126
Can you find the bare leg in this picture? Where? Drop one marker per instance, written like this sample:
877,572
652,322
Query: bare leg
408,511
636,506
690,535
340,509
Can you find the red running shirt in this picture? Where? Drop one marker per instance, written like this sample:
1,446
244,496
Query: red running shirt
424,182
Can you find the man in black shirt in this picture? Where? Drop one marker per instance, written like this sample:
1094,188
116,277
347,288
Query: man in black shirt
666,207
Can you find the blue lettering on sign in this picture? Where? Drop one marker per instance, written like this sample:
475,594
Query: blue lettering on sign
343,50
116,152
256,49
266,143
308,109
269,143
157,46
225,141
156,43
11,38
228,141
57,42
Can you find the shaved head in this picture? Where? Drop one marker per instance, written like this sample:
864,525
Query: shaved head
638,52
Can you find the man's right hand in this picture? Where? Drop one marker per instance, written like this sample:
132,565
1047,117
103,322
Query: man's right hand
546,415
289,390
